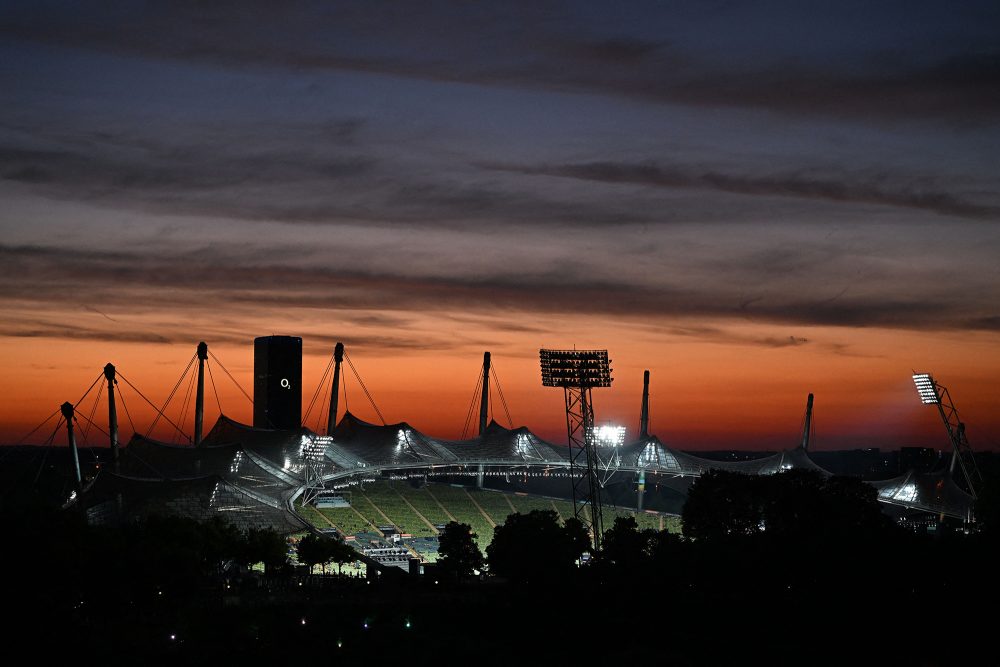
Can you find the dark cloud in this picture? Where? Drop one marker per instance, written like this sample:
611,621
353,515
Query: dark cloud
226,280
723,336
847,188
296,182
557,46
989,323
79,333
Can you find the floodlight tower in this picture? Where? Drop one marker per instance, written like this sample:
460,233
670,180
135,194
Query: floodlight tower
577,372
932,393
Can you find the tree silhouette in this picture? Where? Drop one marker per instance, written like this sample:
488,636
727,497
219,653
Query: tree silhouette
722,503
312,551
626,547
340,553
534,546
794,504
264,546
458,550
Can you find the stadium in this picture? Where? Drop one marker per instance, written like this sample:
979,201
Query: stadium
390,489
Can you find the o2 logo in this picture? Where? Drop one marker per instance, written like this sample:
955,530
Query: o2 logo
285,384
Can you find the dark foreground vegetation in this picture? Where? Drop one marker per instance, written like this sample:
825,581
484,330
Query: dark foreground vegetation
788,569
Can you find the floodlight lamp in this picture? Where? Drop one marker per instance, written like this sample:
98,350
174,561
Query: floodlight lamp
608,435
313,448
927,388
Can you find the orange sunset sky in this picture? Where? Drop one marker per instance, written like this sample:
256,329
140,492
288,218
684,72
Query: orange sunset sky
703,394
752,205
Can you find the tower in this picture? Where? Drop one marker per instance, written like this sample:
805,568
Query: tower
277,382
577,372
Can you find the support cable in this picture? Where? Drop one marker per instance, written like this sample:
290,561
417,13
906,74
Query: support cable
319,387
99,376
343,385
214,388
93,410
32,432
48,446
226,371
90,423
323,401
160,413
472,406
143,396
503,401
364,388
186,403
121,395
131,452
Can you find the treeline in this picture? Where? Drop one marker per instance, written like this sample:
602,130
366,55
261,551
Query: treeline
790,534
792,568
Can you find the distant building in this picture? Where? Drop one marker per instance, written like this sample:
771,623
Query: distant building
277,382
920,459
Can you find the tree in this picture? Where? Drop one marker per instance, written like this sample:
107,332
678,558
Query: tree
264,546
626,547
318,550
577,538
340,553
791,505
460,555
534,546
312,551
722,503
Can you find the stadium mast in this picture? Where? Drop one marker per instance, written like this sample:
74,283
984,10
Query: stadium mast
109,373
338,359
577,372
932,393
199,401
807,428
484,401
644,412
69,416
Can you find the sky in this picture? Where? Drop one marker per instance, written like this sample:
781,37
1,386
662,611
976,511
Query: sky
753,200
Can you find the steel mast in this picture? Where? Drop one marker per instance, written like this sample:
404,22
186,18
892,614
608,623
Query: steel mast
932,393
577,372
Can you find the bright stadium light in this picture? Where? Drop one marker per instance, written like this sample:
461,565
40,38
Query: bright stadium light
927,388
313,448
608,436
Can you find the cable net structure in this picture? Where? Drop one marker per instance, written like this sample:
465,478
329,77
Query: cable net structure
253,476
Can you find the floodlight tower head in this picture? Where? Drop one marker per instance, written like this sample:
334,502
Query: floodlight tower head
927,388
583,369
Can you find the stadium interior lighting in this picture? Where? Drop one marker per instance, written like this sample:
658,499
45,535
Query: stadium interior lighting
608,436
313,448
927,388
575,368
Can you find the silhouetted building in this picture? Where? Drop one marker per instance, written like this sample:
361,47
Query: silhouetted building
277,382
921,459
